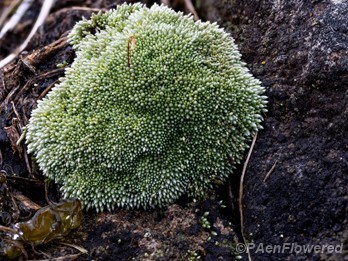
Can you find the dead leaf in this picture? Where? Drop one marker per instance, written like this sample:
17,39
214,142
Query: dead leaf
13,136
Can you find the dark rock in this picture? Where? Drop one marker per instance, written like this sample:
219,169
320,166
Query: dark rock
299,49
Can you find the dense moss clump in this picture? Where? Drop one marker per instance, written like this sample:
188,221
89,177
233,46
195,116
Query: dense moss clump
154,106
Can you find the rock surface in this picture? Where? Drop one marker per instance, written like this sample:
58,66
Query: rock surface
299,50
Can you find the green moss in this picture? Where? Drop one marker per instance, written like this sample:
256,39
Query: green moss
154,106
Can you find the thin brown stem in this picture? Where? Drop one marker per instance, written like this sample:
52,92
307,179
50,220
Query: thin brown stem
241,190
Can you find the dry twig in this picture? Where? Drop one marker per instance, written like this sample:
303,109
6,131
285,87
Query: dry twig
62,258
25,201
45,9
189,6
8,230
13,136
13,5
241,188
33,80
79,248
19,140
13,21
48,88
47,184
270,171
